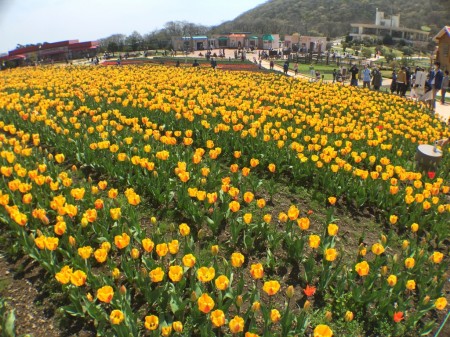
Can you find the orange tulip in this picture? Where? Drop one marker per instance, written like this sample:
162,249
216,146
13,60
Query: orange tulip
236,324
218,318
222,282
257,271
362,268
205,303
237,259
151,322
271,287
105,294
309,290
398,316
122,241
175,273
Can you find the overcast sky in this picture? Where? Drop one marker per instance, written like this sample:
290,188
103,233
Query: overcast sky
34,21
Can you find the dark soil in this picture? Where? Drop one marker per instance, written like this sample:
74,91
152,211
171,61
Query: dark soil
27,289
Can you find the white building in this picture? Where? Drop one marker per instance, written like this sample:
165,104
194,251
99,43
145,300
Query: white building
388,26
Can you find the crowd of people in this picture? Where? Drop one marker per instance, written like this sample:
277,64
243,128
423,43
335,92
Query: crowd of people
371,78
422,85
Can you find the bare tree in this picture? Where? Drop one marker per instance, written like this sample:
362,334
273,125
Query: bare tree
113,40
134,41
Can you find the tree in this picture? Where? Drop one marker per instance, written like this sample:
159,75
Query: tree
133,41
366,52
407,51
402,43
118,39
387,40
389,55
113,47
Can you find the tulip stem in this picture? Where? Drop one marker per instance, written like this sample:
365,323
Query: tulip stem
442,325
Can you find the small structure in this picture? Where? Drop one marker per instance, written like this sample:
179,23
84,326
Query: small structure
443,53
292,41
253,41
388,26
237,40
270,41
222,41
200,42
190,43
217,41
312,44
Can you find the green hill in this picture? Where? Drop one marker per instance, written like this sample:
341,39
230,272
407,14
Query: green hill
333,17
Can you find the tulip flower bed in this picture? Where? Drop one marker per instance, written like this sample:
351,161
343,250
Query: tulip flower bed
148,195
127,62
159,61
170,61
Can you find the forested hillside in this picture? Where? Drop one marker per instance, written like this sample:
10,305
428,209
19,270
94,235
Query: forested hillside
333,17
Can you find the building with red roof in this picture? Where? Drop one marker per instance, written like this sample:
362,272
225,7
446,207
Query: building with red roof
51,52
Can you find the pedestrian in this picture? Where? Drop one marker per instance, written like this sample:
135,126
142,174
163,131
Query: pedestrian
420,83
271,64
311,71
366,77
354,78
401,82
408,79
286,67
317,76
295,68
334,75
394,82
435,82
260,64
195,64
339,77
213,63
377,79
444,86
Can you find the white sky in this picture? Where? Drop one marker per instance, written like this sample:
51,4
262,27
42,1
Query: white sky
34,21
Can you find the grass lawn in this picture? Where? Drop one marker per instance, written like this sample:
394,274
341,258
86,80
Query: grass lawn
326,70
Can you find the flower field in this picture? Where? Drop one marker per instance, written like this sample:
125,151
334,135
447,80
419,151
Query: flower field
151,196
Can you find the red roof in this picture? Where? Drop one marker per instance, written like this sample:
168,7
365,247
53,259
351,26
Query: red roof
443,31
83,45
59,44
46,48
17,57
23,50
12,57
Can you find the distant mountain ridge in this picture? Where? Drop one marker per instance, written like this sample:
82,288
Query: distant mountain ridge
333,17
